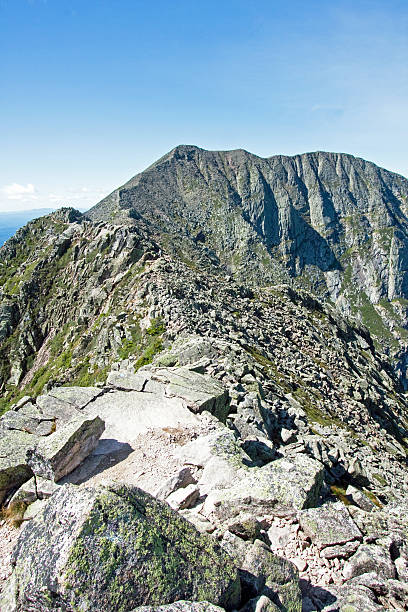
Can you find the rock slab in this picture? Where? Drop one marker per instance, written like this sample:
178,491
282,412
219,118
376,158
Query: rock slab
115,548
14,470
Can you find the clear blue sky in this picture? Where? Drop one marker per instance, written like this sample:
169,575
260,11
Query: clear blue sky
93,91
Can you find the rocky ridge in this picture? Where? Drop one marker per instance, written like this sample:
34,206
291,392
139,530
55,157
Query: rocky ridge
253,414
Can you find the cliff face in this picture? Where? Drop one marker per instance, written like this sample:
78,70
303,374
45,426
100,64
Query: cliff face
333,223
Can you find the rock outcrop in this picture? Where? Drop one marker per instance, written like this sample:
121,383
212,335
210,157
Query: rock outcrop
59,454
115,549
27,450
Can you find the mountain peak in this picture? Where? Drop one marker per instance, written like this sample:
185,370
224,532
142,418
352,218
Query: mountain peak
319,219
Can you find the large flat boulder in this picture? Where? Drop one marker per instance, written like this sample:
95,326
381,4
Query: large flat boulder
115,548
130,413
77,396
197,391
61,410
57,455
128,381
280,484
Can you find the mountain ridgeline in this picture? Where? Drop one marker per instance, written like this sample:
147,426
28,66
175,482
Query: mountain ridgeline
331,223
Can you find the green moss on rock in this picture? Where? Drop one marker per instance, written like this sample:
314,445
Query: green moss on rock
117,548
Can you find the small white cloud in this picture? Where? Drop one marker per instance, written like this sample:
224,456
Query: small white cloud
19,192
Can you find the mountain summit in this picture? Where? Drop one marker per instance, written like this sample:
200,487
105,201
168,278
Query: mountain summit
328,222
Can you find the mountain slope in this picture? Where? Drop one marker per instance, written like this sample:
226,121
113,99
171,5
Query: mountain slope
332,223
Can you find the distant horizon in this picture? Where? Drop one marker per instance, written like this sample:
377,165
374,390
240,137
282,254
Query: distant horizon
24,211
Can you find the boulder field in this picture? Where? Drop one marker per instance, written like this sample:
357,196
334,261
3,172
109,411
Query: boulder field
169,488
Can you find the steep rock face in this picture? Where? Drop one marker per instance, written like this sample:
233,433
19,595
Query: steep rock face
60,277
335,223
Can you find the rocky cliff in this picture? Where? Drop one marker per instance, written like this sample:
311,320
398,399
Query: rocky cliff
152,356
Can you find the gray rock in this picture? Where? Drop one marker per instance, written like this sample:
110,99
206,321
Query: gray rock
260,451
272,576
401,565
33,422
280,536
115,548
23,401
356,598
14,470
245,526
127,380
187,351
57,455
51,407
329,525
183,478
287,434
77,396
280,484
372,581
130,413
341,552
198,391
360,499
399,591
33,489
260,604
264,573
199,522
184,498
370,558
221,456
35,508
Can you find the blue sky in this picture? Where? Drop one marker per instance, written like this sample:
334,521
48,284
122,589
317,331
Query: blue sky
93,91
